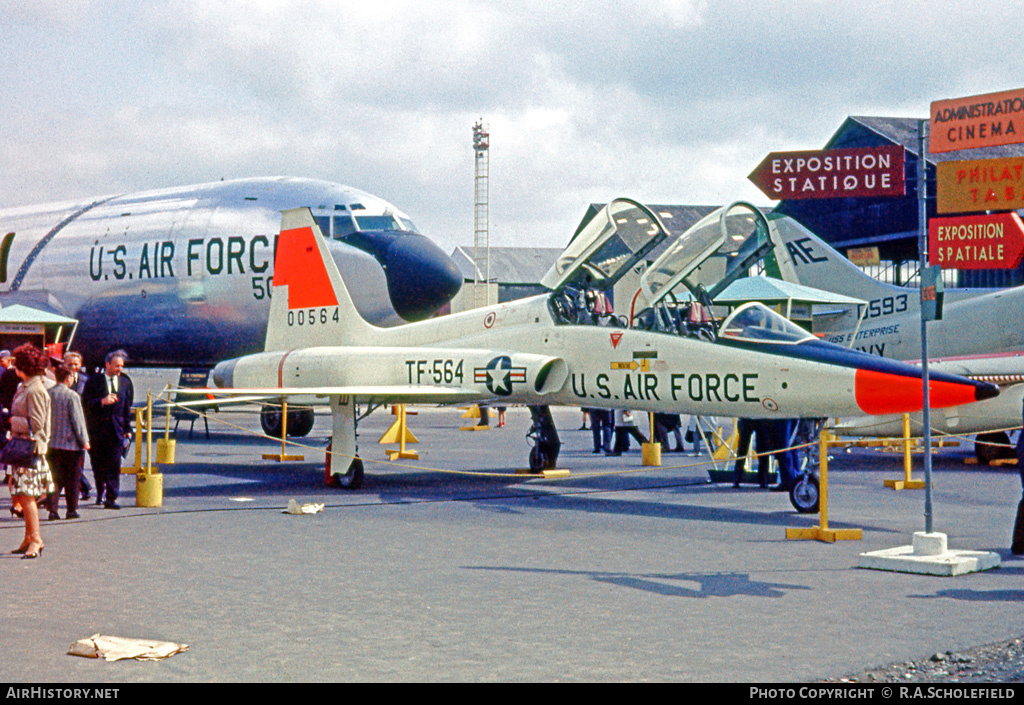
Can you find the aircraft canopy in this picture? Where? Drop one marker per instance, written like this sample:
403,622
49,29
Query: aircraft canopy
756,323
728,236
607,247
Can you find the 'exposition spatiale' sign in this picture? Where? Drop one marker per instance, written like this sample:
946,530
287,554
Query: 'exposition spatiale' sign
832,173
976,242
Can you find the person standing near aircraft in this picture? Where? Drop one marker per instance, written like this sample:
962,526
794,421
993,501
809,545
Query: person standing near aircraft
747,428
1017,543
68,443
625,426
30,418
107,401
77,383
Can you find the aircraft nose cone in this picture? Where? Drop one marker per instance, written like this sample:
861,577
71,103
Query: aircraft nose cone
985,390
421,277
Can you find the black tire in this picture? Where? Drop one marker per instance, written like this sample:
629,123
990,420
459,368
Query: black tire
300,421
270,420
351,480
538,460
993,446
804,494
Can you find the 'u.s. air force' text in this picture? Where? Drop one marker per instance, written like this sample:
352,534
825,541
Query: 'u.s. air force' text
708,386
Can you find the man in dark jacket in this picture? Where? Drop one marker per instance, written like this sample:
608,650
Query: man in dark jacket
107,401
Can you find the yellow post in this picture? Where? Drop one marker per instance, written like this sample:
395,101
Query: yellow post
149,486
165,446
906,483
821,532
650,452
282,456
139,423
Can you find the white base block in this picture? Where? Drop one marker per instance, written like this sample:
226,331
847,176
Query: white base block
928,555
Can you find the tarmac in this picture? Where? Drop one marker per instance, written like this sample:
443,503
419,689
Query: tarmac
452,567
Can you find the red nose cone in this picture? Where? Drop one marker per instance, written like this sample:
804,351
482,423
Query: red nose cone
884,393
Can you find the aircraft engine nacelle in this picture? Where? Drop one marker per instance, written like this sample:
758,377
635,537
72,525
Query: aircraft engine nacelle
518,377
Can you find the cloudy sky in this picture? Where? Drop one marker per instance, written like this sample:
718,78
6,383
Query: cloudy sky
664,101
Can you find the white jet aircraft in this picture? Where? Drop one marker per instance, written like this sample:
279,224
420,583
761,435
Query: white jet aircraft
978,336
544,350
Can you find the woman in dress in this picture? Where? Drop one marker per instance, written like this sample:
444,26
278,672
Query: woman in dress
30,418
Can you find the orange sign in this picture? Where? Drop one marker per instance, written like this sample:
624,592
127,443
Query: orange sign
980,185
979,121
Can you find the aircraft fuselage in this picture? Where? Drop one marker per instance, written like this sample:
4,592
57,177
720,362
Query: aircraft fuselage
182,276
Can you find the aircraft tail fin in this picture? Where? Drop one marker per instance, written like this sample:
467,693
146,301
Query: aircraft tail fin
803,258
310,305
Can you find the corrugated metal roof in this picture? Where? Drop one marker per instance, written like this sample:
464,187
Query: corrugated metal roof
903,131
510,265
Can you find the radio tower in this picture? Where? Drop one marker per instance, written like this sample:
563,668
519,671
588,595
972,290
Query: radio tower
481,238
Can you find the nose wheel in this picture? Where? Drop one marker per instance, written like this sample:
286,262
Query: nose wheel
804,494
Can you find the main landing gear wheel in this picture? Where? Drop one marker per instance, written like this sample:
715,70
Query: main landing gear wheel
993,446
804,494
351,480
300,421
540,460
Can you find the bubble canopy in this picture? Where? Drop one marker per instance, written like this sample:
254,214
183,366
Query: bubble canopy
756,323
614,240
727,234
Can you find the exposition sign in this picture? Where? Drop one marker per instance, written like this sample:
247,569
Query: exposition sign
980,185
978,121
976,242
867,172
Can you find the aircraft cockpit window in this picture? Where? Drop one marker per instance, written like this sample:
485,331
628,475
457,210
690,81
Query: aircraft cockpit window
335,227
378,222
342,226
408,225
756,323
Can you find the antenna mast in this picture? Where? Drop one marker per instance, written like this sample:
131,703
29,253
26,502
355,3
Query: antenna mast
481,207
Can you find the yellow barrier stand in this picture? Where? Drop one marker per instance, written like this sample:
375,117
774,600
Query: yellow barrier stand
140,428
821,532
165,445
149,485
474,412
650,452
399,433
282,456
906,483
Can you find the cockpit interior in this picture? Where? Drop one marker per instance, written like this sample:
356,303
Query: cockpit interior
677,291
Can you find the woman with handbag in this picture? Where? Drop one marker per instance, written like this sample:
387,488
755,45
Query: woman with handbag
25,452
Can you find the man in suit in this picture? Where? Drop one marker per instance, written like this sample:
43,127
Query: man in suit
107,401
73,361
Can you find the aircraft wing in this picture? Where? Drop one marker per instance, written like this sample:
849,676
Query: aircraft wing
398,394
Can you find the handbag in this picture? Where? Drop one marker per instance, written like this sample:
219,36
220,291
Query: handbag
19,452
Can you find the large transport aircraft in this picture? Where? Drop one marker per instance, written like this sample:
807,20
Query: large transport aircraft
979,336
181,277
547,350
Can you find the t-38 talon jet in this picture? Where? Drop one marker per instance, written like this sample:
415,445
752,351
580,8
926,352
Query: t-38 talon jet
545,350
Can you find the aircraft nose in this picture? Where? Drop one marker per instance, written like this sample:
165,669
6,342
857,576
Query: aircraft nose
883,391
421,277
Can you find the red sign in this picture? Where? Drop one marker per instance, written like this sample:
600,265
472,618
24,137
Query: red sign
979,121
976,242
868,172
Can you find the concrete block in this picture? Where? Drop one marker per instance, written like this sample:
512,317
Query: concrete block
929,555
